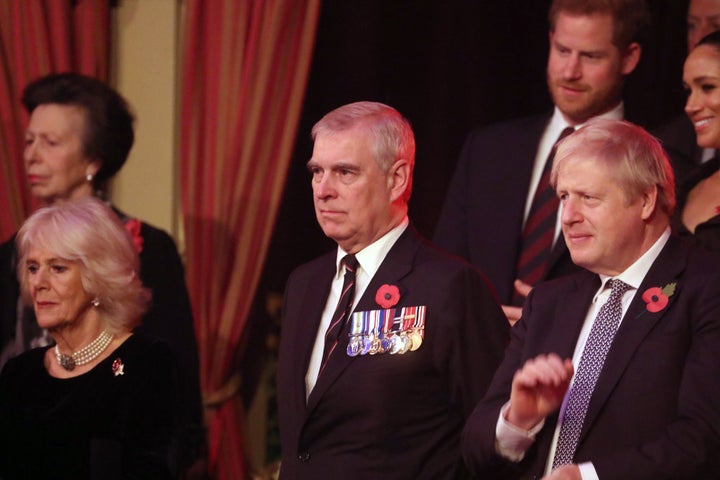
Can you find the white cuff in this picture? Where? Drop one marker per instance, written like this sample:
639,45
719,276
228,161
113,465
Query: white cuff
512,442
587,471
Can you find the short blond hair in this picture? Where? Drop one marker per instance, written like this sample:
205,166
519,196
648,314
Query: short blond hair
89,232
635,157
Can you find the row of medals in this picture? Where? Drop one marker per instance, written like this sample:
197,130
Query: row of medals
392,343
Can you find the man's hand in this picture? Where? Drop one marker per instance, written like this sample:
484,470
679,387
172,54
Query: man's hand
538,389
566,472
513,313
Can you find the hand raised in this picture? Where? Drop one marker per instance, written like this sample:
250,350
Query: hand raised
538,389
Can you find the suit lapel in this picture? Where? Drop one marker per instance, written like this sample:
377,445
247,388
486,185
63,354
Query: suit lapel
636,324
396,265
309,314
570,313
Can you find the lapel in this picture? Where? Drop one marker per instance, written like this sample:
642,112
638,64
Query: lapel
636,325
307,324
558,252
570,312
396,265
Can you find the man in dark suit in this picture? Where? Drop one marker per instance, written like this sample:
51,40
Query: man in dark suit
382,393
611,373
593,48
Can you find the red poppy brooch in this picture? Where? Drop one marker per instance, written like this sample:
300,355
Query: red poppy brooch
118,367
387,296
657,298
133,226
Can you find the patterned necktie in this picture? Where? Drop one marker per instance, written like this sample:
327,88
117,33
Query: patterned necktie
539,230
596,348
342,311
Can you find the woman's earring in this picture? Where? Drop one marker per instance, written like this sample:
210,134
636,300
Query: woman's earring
95,303
89,177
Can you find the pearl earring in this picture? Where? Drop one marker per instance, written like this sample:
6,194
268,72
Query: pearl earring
95,303
89,177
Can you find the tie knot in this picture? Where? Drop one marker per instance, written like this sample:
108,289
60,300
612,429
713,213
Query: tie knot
618,287
350,262
566,131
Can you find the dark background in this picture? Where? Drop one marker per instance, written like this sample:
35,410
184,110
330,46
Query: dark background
447,66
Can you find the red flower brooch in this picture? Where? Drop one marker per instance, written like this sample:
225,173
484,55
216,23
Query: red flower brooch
133,226
387,296
657,298
118,367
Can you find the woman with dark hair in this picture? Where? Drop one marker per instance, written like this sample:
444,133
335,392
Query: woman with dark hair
698,213
78,137
101,402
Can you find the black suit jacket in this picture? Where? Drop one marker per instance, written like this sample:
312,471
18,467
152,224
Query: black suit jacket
655,411
388,416
483,213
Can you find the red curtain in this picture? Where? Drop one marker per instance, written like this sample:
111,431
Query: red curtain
245,67
38,37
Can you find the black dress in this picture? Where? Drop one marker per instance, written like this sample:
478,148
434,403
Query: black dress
115,421
707,234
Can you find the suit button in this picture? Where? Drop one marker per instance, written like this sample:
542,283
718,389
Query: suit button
303,457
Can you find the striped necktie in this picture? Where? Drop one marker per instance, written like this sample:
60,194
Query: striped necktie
539,230
342,311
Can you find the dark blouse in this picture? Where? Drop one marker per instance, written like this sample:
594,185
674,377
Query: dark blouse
114,421
707,234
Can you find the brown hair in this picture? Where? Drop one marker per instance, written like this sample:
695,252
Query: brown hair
631,18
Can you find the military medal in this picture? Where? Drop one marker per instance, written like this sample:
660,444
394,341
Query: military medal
392,330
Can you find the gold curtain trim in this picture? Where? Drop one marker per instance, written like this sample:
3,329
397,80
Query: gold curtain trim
215,399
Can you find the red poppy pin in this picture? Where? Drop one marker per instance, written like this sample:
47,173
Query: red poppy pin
133,226
387,296
657,298
117,367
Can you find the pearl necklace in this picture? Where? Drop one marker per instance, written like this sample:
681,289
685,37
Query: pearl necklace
86,354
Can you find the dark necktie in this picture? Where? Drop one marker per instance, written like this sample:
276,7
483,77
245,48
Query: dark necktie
342,311
592,360
539,231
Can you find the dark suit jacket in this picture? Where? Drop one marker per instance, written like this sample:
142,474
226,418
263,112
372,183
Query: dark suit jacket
388,416
655,411
482,217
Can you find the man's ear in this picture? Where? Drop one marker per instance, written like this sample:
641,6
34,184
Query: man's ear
398,179
649,202
630,58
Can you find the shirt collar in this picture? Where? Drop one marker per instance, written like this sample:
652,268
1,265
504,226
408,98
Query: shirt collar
370,257
558,123
635,273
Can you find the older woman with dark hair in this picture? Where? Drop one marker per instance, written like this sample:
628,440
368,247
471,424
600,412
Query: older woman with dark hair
101,402
79,135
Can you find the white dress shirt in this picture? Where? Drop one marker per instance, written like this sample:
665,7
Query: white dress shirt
369,260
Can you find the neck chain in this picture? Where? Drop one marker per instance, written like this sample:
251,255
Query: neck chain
86,354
